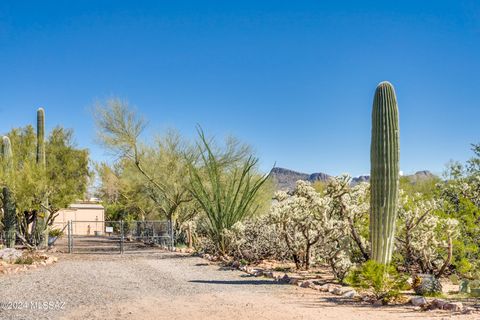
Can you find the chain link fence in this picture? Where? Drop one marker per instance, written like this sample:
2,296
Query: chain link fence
114,236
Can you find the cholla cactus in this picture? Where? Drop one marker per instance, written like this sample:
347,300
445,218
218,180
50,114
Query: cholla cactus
425,239
308,223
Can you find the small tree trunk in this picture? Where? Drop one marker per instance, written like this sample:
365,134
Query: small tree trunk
448,260
189,236
307,256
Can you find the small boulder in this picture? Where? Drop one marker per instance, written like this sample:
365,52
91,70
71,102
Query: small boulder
10,255
305,284
438,304
323,288
350,294
453,306
284,279
418,301
236,264
339,291
257,272
333,288
378,303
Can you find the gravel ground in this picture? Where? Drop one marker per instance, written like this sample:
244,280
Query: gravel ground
160,285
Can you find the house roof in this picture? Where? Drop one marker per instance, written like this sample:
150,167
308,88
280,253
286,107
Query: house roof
86,206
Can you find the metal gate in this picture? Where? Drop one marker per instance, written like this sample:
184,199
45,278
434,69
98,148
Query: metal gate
115,236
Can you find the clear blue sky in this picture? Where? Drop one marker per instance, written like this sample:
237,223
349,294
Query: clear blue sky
293,78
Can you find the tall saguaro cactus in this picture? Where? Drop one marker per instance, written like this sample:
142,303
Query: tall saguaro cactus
384,175
41,159
42,163
9,210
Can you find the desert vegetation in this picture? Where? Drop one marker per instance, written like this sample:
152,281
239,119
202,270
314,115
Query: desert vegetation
384,237
39,175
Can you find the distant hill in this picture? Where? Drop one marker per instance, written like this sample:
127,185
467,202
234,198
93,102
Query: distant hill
286,178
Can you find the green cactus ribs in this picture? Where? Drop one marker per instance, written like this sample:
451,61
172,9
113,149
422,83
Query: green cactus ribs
41,160
9,211
384,161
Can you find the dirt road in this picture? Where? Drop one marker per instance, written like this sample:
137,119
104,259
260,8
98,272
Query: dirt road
159,285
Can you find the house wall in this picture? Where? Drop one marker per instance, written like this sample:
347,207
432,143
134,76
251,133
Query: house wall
87,218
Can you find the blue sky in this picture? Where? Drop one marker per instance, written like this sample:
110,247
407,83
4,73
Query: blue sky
295,79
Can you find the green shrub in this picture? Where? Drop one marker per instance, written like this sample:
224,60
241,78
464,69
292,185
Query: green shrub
55,233
455,279
382,280
24,260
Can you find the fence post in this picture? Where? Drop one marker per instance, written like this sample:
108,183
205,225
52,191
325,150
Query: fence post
121,237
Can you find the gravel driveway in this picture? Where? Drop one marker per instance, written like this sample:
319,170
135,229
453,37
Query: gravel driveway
160,285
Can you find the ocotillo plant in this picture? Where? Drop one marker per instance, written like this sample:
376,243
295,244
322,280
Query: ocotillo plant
384,161
9,211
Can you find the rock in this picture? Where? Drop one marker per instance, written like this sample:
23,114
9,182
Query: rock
350,294
438,304
294,280
339,291
236,264
418,301
268,274
468,310
378,303
324,288
453,306
332,288
10,255
305,284
284,279
257,273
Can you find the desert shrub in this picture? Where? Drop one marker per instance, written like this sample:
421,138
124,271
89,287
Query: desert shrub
24,260
255,239
55,233
383,281
461,200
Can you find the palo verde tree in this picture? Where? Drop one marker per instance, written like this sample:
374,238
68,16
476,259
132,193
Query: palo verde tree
63,180
160,169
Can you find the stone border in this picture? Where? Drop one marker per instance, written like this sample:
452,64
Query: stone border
419,302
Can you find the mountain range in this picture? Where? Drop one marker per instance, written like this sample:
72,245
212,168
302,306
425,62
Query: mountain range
286,178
